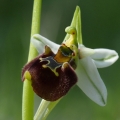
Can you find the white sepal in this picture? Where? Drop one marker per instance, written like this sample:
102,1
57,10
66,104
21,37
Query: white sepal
90,81
39,42
84,51
104,57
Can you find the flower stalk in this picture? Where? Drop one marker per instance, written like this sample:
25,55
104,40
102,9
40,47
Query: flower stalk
41,109
28,95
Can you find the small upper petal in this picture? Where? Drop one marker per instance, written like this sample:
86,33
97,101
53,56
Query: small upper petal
40,42
104,57
90,81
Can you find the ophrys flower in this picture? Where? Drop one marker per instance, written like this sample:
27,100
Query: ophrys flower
59,67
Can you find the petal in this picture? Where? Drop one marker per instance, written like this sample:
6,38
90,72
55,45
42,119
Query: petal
90,81
47,85
39,42
84,51
104,57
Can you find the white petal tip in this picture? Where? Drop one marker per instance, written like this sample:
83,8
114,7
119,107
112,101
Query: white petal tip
99,98
104,57
36,36
102,101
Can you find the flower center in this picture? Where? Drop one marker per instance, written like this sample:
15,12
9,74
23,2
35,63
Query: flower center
72,40
64,54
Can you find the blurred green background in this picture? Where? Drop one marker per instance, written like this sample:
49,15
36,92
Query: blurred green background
100,28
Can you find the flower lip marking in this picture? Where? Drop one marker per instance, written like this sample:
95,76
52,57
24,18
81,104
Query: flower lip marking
52,64
64,54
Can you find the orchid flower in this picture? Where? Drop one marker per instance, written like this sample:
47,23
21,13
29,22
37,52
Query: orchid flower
59,67
89,79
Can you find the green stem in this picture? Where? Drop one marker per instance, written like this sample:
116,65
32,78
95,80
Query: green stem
44,109
41,109
36,17
28,95
49,109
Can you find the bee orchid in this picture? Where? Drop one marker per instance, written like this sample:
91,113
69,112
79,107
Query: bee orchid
59,67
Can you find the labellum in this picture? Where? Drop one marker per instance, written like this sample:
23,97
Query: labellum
52,75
